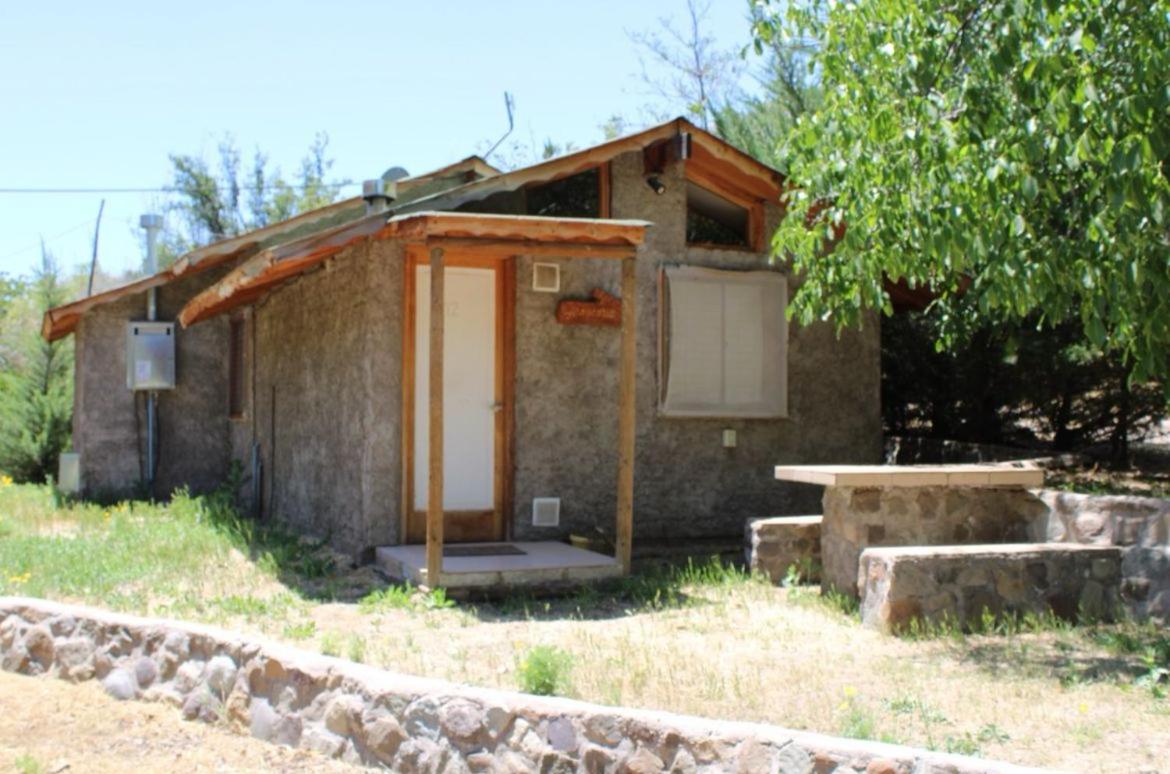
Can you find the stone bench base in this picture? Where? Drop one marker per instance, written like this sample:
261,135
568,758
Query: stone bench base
960,584
857,518
777,543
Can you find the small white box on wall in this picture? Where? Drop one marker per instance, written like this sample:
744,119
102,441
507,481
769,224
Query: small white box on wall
546,277
546,511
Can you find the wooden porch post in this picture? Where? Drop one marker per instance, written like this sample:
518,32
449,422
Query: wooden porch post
435,445
627,416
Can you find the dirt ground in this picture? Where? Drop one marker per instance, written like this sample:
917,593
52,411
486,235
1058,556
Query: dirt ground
49,726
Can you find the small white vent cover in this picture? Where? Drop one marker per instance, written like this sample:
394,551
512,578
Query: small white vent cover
546,277
546,511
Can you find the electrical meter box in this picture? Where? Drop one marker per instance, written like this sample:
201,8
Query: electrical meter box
150,355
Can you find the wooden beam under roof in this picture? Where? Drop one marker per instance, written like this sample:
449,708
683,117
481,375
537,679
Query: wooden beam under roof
496,236
531,228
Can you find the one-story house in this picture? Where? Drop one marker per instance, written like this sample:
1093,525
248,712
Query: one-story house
611,336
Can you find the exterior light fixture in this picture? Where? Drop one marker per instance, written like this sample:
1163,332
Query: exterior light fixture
656,185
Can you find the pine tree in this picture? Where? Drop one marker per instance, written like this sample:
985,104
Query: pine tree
36,390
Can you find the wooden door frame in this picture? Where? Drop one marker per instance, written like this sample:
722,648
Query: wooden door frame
505,380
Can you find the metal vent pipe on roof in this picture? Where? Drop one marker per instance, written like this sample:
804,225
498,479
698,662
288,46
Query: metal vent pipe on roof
376,195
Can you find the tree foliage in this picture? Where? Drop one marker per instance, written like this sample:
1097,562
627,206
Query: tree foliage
1021,145
759,123
219,201
36,384
1011,385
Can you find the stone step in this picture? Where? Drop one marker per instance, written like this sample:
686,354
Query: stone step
777,543
959,585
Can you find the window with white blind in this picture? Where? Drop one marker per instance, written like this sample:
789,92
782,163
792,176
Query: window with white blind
723,343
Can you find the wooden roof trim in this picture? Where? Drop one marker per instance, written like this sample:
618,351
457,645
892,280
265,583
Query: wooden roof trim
231,247
568,237
768,182
62,320
546,171
275,265
424,225
703,143
472,163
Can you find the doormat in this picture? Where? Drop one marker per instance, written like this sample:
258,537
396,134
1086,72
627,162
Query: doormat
495,549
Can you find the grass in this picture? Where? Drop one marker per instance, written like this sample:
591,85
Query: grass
702,638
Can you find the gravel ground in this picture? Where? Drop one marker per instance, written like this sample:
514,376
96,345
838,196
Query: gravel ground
50,726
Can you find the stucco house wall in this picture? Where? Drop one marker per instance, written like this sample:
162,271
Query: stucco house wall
325,408
686,484
109,420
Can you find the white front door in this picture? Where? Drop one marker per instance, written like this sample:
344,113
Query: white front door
469,387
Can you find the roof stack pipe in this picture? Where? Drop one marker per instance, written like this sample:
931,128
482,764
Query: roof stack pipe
376,195
152,224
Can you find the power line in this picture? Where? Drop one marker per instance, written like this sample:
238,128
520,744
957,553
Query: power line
69,230
164,189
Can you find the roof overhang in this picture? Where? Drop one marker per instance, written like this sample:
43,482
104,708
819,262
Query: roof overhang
712,162
62,320
711,158
492,236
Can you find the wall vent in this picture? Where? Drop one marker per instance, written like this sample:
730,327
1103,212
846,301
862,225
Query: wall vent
546,277
546,511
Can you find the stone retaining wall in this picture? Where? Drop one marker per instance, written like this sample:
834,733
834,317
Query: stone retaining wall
1140,526
961,584
777,543
366,715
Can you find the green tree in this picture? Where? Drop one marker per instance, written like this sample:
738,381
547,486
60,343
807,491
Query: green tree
1018,146
219,201
36,386
759,123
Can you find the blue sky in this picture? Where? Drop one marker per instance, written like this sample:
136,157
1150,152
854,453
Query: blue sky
95,95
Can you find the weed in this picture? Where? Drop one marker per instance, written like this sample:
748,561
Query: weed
800,572
390,598
989,732
856,722
961,745
839,602
26,764
331,644
300,631
437,599
355,648
544,670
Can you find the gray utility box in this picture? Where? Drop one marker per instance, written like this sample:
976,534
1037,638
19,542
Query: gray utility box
150,355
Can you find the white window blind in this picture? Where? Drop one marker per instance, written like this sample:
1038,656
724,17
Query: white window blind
725,341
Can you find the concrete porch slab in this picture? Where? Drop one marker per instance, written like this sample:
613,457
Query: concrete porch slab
543,563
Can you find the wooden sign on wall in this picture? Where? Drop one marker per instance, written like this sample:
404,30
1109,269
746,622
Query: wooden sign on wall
603,309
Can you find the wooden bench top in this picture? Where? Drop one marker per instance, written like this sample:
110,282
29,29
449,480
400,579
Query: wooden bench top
1015,475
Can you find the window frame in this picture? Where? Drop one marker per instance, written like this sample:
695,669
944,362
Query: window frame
665,306
754,237
604,188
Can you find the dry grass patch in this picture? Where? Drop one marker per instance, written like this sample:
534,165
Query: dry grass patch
705,640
